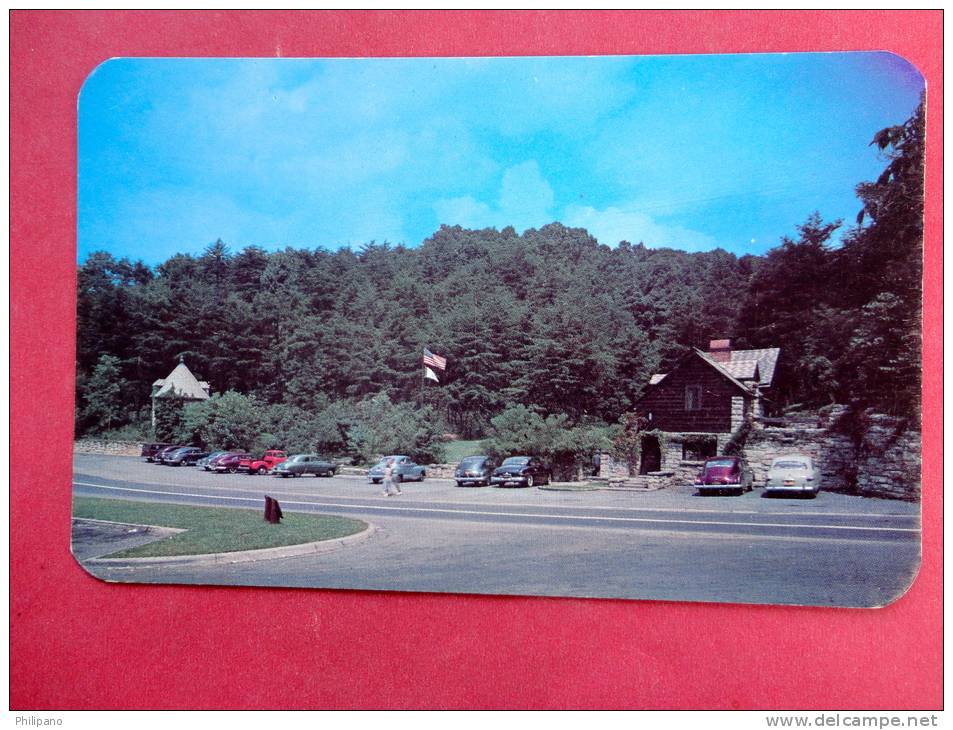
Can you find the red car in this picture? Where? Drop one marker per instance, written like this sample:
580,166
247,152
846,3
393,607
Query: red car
265,464
230,462
723,473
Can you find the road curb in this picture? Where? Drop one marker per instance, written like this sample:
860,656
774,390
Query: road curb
557,487
630,489
241,556
129,524
564,487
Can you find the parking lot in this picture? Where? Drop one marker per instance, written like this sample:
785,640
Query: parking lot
135,469
668,544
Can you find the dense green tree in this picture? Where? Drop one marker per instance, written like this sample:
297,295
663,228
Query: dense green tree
102,394
881,364
794,281
885,255
382,427
567,449
550,320
882,263
170,421
522,430
227,420
331,426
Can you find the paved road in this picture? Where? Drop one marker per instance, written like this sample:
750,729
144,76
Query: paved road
671,545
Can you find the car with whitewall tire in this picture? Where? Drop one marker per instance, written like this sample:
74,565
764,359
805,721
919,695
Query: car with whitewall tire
405,470
474,471
794,474
725,474
521,471
300,464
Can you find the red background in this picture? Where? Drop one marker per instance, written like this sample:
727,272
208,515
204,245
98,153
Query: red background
77,642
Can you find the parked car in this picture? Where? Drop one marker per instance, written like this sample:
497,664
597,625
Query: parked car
520,471
299,464
151,449
406,470
474,471
725,473
265,464
794,474
230,461
204,462
214,461
166,452
184,456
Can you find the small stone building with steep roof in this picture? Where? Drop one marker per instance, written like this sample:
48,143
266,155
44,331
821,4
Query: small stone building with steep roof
696,407
180,384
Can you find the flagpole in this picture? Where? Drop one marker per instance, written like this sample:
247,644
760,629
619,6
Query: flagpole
420,390
431,363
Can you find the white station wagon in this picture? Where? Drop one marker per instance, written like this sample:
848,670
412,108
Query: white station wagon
796,474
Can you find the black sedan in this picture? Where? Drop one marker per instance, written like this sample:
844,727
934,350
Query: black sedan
474,471
186,455
520,471
165,453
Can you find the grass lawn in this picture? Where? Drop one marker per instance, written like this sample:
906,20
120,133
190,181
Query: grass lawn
211,529
454,451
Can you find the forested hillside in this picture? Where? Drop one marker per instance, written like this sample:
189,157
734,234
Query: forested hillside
549,319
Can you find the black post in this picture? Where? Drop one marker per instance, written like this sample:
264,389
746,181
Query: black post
272,510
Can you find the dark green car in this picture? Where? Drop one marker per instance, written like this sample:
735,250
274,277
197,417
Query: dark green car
299,464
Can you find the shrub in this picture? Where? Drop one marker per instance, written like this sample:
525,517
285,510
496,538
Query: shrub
566,449
382,427
101,396
228,420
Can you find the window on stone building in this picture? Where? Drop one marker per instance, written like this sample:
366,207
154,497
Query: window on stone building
699,449
693,398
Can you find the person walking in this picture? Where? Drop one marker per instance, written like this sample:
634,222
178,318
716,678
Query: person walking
391,478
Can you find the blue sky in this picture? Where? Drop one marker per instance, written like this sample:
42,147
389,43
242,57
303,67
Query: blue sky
690,152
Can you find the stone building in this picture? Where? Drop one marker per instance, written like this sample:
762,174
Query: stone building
699,406
180,384
696,407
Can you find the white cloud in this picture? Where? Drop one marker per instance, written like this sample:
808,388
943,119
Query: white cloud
465,211
525,201
614,224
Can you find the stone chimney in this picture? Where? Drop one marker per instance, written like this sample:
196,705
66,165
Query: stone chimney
720,350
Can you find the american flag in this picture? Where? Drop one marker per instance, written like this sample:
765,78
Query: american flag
434,361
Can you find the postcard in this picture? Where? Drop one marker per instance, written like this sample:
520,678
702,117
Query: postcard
642,327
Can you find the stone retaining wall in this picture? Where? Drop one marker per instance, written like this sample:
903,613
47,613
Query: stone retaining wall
882,460
441,471
100,446
889,463
612,468
434,471
681,471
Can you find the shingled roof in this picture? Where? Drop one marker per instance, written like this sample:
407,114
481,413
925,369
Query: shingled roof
720,367
181,383
756,365
743,367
